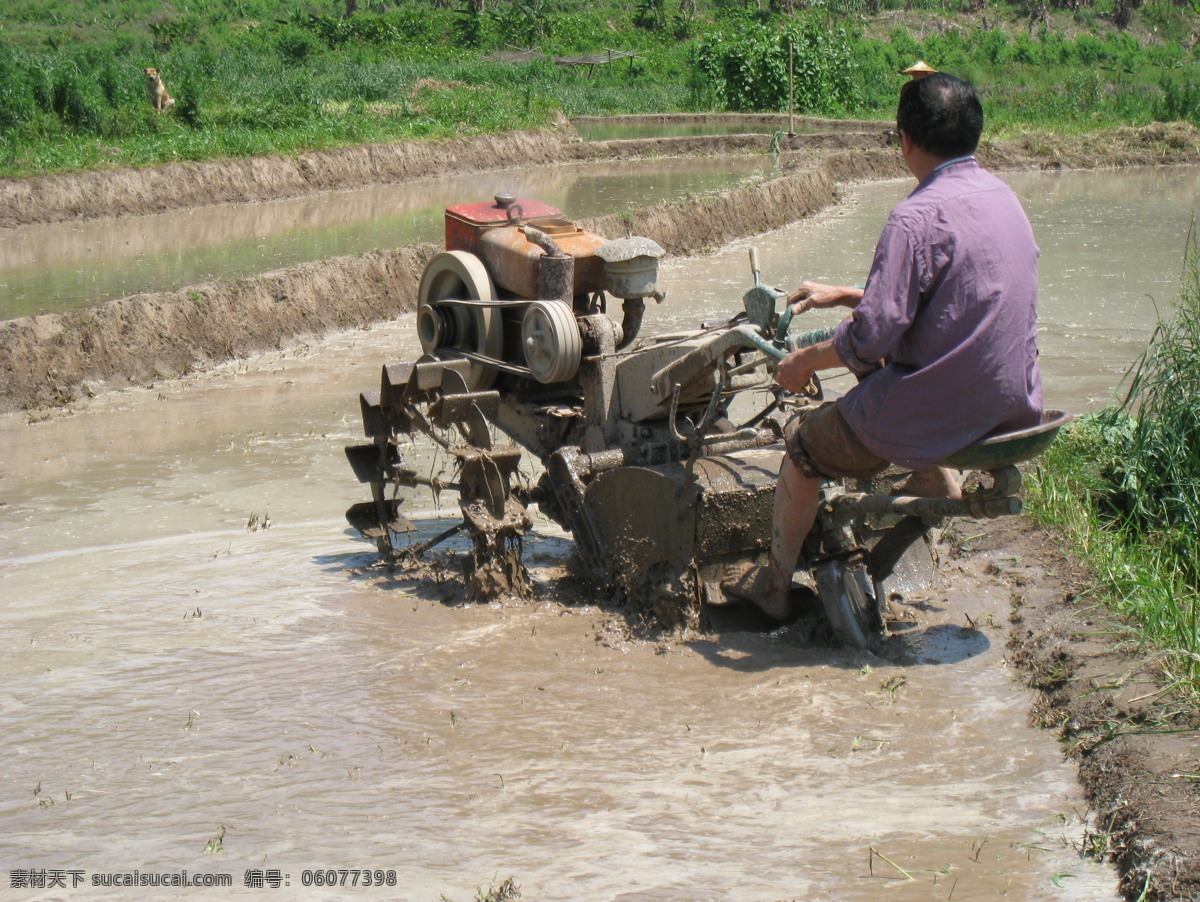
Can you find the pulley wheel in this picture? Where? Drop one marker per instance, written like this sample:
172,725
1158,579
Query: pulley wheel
550,337
459,276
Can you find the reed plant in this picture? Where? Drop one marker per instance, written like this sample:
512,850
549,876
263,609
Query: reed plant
1124,486
1162,478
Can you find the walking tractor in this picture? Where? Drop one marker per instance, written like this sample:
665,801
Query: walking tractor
659,455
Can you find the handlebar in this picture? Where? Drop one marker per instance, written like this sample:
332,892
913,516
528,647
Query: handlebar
775,349
785,320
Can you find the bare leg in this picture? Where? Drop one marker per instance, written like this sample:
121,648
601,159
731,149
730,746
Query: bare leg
796,498
932,482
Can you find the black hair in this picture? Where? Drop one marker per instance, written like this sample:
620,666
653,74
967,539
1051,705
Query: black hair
941,115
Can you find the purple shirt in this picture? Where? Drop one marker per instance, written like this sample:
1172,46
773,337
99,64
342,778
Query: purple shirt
951,303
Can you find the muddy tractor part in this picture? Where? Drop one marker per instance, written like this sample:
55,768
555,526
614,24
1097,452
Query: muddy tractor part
658,454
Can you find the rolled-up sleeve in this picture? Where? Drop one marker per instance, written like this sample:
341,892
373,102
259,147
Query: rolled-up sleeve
889,302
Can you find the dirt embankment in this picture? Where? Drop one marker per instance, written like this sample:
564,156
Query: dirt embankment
1135,740
49,360
128,192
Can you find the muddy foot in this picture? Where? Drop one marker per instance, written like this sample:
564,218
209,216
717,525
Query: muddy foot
752,582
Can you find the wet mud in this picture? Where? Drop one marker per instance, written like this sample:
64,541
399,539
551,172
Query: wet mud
1133,739
193,647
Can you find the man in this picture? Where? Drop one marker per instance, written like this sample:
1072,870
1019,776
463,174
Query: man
943,337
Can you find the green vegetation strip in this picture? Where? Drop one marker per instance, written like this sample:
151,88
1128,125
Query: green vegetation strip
1124,486
254,77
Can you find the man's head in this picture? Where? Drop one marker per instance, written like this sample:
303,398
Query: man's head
941,115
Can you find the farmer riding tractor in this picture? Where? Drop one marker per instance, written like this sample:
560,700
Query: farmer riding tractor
659,454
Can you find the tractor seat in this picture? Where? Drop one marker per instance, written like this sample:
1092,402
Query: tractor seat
1008,448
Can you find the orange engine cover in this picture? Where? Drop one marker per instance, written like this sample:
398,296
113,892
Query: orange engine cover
512,260
466,222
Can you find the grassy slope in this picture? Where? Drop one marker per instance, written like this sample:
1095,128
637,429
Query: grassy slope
261,76
1124,486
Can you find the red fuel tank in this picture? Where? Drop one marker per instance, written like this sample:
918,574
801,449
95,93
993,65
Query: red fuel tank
513,261
466,222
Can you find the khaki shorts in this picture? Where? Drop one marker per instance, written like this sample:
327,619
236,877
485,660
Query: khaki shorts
823,446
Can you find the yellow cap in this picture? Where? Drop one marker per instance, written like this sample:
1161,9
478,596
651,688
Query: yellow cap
920,67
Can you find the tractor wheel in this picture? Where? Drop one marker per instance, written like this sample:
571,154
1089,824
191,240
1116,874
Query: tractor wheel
431,399
848,598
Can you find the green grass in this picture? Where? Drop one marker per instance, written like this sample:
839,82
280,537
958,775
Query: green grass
262,76
1124,487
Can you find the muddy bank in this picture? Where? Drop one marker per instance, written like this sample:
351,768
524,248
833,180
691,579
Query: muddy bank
751,121
726,145
50,360
704,223
126,192
1133,739
1158,144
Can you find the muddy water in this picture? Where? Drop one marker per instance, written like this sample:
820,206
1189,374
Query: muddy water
67,266
170,673
182,691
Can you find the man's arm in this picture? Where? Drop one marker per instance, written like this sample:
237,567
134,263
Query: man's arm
819,296
888,306
796,369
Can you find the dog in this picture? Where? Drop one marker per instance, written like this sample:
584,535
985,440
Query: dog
159,98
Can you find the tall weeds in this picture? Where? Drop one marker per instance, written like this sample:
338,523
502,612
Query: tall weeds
1124,486
1162,478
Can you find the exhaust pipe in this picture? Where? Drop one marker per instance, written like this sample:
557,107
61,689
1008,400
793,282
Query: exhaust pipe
556,270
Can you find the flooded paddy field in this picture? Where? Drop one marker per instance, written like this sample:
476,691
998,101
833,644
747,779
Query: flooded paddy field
57,267
172,671
203,671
